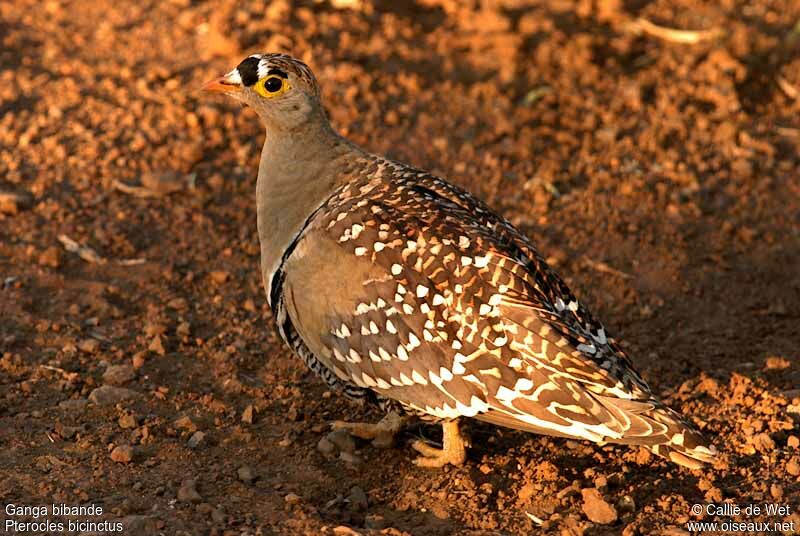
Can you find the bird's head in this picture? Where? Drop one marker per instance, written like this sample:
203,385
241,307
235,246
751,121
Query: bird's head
281,89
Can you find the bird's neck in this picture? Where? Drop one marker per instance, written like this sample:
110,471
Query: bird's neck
296,175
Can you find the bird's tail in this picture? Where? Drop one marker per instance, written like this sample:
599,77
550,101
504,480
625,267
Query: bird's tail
648,423
674,438
686,445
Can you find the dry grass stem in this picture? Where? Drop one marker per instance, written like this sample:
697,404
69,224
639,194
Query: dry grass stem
84,252
790,91
603,267
689,37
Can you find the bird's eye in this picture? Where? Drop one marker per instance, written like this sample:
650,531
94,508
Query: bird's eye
273,84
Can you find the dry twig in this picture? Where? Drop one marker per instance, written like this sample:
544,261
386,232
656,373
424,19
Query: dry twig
70,376
790,91
132,262
157,184
534,518
603,267
673,35
138,191
89,255
84,252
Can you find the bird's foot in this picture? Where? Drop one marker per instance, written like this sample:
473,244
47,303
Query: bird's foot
453,451
382,434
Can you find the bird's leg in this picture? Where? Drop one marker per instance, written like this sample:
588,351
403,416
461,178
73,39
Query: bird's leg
453,451
382,434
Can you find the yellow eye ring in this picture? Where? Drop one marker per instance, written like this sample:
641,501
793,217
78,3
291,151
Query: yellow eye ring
272,86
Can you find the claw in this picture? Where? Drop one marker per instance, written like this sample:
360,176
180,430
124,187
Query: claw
382,434
453,451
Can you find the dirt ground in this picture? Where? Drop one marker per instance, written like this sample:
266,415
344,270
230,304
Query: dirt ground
661,178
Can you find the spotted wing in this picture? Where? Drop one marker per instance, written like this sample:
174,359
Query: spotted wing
426,297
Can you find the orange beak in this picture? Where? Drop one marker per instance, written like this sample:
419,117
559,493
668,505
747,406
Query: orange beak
223,84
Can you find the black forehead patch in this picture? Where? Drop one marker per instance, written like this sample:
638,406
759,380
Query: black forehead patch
278,72
248,70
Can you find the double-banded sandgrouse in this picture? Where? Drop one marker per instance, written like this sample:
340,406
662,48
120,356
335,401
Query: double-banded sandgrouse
398,287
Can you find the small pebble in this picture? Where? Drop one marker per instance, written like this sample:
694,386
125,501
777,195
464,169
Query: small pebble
763,442
89,346
343,441
374,522
50,257
292,498
217,515
246,474
184,329
66,432
109,394
127,421
138,360
343,530
326,447
122,454
247,415
195,440
188,491
186,423
203,508
601,483
350,458
13,202
157,346
793,467
526,492
73,404
357,499
596,508
626,504
219,277
119,374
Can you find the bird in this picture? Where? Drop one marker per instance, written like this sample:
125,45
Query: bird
400,289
